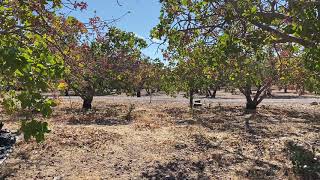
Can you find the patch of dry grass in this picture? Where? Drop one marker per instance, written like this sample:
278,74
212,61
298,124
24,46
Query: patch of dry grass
165,140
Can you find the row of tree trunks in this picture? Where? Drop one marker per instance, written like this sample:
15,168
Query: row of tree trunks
87,100
251,104
213,93
299,89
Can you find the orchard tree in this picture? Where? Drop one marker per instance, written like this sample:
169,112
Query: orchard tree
252,25
239,64
182,22
312,84
154,79
146,76
139,76
188,71
215,69
104,64
291,69
249,66
32,46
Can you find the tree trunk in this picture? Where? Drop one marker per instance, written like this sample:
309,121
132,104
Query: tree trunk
285,89
150,97
138,92
213,95
208,93
87,103
251,105
301,91
269,92
66,92
191,98
148,91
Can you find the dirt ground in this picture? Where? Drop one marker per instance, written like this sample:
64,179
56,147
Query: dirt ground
165,141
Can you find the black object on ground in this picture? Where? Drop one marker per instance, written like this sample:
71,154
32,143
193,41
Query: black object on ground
7,140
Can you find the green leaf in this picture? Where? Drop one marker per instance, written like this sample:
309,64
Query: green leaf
36,129
254,9
184,2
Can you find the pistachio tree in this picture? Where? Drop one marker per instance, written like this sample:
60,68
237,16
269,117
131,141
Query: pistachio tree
104,64
33,42
147,75
188,71
253,25
286,21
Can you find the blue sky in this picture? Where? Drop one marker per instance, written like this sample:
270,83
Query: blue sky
142,18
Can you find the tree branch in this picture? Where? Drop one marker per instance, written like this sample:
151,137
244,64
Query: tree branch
284,37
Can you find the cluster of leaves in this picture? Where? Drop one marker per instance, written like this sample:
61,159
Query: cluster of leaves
282,21
243,38
33,43
35,129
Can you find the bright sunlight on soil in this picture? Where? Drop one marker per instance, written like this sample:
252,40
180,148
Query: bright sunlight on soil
165,140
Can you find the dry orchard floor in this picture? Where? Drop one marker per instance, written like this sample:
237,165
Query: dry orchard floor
164,140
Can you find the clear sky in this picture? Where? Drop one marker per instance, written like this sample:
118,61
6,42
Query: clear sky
143,16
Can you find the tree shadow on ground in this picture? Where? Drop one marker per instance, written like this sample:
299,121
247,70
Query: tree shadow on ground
7,169
97,120
227,110
220,118
265,123
290,97
176,169
262,170
309,117
209,167
305,163
176,112
259,168
111,109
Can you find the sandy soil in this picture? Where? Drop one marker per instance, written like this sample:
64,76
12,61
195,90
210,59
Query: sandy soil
164,140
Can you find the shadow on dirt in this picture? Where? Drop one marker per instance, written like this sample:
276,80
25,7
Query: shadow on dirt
92,120
232,119
204,143
176,112
176,169
313,117
290,97
305,163
98,108
262,170
207,168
